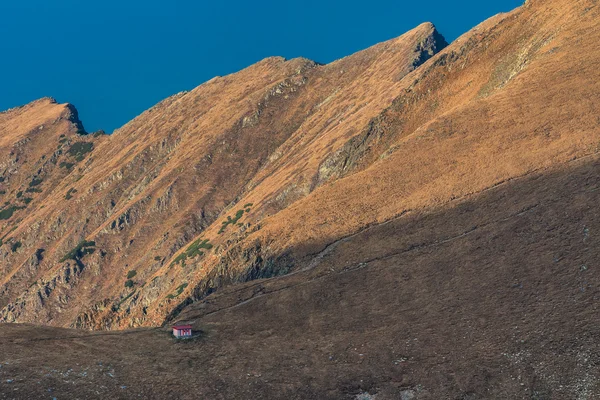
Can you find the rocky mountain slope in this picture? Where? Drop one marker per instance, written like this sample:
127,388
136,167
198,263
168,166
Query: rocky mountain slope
492,297
254,174
155,185
371,228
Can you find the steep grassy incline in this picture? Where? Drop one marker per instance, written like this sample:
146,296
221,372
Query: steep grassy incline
255,174
133,234
505,281
512,97
43,150
414,221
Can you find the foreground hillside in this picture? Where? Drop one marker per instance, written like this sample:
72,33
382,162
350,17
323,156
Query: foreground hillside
493,297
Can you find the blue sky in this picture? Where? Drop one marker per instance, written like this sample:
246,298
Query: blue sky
114,59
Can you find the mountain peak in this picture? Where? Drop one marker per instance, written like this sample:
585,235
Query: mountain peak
45,100
432,44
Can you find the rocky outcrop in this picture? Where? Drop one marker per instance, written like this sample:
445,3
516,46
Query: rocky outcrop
44,298
429,47
72,115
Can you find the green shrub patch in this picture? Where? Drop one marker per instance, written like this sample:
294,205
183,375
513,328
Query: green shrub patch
233,221
15,246
178,291
81,250
9,211
66,165
35,182
180,259
70,193
80,149
193,250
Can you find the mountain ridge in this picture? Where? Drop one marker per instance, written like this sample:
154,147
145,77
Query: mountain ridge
328,129
283,79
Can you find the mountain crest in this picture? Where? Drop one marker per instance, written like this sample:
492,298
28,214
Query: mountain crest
432,44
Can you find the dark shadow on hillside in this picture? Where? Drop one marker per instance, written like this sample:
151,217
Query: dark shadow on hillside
492,297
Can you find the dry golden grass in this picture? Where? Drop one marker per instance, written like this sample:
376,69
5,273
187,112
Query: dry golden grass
150,188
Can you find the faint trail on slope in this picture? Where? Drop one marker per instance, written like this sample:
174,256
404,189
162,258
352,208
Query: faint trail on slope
330,248
318,257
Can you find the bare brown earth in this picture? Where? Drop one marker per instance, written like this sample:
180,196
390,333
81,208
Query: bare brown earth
412,221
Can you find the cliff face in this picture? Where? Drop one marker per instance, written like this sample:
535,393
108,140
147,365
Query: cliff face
265,172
